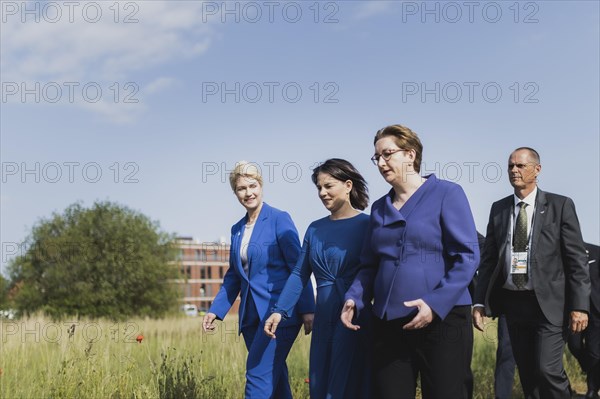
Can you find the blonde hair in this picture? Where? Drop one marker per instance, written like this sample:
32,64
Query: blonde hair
245,169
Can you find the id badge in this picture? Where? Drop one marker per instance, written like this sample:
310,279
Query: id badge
518,264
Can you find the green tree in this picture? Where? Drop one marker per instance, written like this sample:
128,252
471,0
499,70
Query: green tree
3,292
105,261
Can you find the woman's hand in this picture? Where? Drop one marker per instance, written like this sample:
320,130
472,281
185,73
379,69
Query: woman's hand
208,322
271,325
348,314
423,318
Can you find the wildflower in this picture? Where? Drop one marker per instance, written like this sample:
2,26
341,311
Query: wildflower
139,338
306,380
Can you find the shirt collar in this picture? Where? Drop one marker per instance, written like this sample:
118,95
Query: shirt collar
529,200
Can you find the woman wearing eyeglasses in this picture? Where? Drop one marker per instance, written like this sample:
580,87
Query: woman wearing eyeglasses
264,249
339,358
419,256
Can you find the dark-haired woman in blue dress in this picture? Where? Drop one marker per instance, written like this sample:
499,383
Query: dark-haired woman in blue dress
339,358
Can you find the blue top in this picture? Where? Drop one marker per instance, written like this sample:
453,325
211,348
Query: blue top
428,249
339,363
331,251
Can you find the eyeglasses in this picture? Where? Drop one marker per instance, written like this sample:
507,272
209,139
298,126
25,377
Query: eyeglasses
386,155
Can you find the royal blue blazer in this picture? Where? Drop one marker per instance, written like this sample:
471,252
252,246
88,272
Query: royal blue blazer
273,250
428,250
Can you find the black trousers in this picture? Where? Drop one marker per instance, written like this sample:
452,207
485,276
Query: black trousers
585,346
537,347
439,353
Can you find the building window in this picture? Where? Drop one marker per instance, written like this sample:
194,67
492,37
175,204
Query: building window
186,272
221,272
202,272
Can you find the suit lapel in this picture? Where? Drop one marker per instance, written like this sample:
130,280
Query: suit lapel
538,219
505,220
417,196
392,215
255,248
236,245
503,224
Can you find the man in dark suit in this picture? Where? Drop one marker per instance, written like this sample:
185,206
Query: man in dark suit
534,271
504,373
586,346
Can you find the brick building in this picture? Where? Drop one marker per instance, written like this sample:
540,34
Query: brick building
202,267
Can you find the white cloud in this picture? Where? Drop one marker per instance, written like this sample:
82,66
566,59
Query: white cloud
120,113
72,49
159,85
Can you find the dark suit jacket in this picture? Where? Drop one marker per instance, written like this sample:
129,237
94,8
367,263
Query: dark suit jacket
558,261
273,250
594,262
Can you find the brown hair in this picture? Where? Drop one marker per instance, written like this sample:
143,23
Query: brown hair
405,139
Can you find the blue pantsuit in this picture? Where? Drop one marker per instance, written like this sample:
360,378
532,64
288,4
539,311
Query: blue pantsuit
273,250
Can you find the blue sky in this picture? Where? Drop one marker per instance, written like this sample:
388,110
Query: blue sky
188,88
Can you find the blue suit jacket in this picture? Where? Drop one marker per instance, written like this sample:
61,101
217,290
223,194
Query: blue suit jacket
428,250
273,250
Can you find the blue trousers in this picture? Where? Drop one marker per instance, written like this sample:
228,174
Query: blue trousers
266,369
505,363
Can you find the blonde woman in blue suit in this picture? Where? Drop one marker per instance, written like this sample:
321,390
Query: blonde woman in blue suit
264,249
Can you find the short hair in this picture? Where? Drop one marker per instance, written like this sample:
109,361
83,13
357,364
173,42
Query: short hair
342,170
405,139
532,153
245,169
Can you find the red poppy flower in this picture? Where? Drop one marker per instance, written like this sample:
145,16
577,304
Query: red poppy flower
139,338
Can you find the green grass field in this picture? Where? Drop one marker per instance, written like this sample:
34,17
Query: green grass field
40,358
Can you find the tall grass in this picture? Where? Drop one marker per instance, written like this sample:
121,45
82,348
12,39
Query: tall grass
40,358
